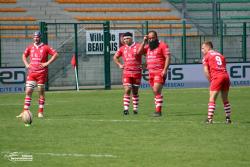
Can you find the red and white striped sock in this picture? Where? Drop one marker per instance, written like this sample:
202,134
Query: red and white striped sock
41,103
27,102
135,99
211,109
126,101
227,109
158,102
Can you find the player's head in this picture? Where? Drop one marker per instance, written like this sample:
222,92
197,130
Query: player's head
206,46
128,38
37,37
153,40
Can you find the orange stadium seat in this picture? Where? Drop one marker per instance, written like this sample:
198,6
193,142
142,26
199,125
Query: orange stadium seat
137,26
7,1
15,36
17,19
21,36
117,9
169,26
173,35
134,18
12,10
109,1
19,27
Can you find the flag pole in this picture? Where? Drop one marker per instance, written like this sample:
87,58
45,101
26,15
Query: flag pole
77,85
73,63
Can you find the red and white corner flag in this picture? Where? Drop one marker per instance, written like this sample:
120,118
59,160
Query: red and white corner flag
73,63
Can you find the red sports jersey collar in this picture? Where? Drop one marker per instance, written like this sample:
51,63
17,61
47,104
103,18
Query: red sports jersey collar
37,46
133,44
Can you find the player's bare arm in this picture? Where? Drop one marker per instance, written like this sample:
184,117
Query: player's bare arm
51,60
26,63
141,48
117,61
167,63
206,72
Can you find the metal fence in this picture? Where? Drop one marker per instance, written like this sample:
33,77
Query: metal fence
97,69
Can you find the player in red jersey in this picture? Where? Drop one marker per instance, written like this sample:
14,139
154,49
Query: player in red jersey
37,66
158,60
132,71
215,71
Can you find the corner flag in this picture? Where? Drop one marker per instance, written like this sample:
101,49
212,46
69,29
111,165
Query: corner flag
73,61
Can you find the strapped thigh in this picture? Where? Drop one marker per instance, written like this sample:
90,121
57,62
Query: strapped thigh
128,84
41,86
30,84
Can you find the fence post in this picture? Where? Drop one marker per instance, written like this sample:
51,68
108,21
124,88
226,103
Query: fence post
244,42
221,37
214,17
0,49
184,47
106,33
146,28
76,51
44,31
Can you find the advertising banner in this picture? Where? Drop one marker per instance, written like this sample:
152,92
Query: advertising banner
12,80
192,76
95,38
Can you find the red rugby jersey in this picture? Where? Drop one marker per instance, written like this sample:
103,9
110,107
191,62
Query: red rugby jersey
38,54
156,58
216,63
132,61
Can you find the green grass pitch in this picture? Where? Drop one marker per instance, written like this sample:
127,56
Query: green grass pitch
87,129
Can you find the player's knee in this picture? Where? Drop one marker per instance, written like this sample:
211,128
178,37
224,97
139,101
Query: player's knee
29,92
156,90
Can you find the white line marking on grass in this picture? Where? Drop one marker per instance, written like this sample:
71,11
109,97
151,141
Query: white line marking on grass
157,120
220,122
77,155
99,120
8,154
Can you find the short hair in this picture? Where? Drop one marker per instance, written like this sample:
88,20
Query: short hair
37,34
127,34
208,43
154,32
